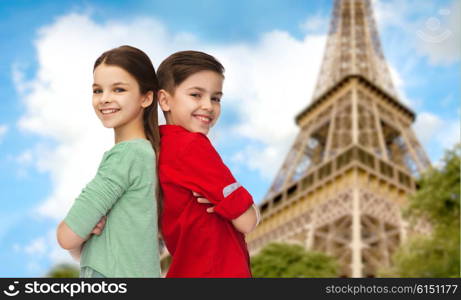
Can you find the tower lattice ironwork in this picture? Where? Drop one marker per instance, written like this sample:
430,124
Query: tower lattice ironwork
355,159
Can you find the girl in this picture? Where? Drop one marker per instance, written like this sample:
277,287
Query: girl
125,188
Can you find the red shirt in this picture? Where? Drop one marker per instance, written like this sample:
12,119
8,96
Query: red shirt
201,244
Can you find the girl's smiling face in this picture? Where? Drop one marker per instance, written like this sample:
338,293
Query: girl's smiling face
117,99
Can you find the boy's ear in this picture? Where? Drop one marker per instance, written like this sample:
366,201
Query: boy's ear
148,99
163,97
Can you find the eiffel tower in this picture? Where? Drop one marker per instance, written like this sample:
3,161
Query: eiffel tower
354,162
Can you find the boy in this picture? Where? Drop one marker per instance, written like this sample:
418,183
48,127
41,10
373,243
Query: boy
201,244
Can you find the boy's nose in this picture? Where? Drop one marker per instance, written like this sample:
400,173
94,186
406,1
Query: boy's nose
105,98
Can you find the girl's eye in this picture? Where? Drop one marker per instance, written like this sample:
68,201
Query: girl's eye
97,91
195,95
119,90
216,99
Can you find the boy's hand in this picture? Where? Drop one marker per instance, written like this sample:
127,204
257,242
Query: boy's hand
200,199
100,226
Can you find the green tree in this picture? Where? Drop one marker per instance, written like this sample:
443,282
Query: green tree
64,271
437,201
284,260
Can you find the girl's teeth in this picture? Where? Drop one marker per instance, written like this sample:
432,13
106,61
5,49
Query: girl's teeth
109,111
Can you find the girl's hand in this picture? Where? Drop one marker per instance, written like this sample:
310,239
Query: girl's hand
100,226
200,199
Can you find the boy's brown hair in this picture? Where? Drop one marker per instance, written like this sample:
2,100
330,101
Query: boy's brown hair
179,66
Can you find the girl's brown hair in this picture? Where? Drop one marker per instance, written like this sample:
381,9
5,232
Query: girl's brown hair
139,65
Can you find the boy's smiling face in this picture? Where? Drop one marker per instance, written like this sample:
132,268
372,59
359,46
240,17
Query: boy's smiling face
195,103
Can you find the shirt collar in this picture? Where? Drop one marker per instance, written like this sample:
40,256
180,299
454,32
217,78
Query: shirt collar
167,129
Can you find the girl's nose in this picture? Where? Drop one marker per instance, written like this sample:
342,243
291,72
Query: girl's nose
206,104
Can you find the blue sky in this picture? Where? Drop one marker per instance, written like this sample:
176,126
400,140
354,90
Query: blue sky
50,142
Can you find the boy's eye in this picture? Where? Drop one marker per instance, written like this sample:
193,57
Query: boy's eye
97,91
195,95
217,99
119,90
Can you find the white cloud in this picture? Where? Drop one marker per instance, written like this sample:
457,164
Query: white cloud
426,125
391,13
404,15
42,253
3,131
25,157
24,161
396,78
17,248
440,36
34,267
261,159
37,247
316,24
426,27
267,83
8,220
450,135
434,131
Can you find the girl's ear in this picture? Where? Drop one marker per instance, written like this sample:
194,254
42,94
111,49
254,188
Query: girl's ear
148,99
163,98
